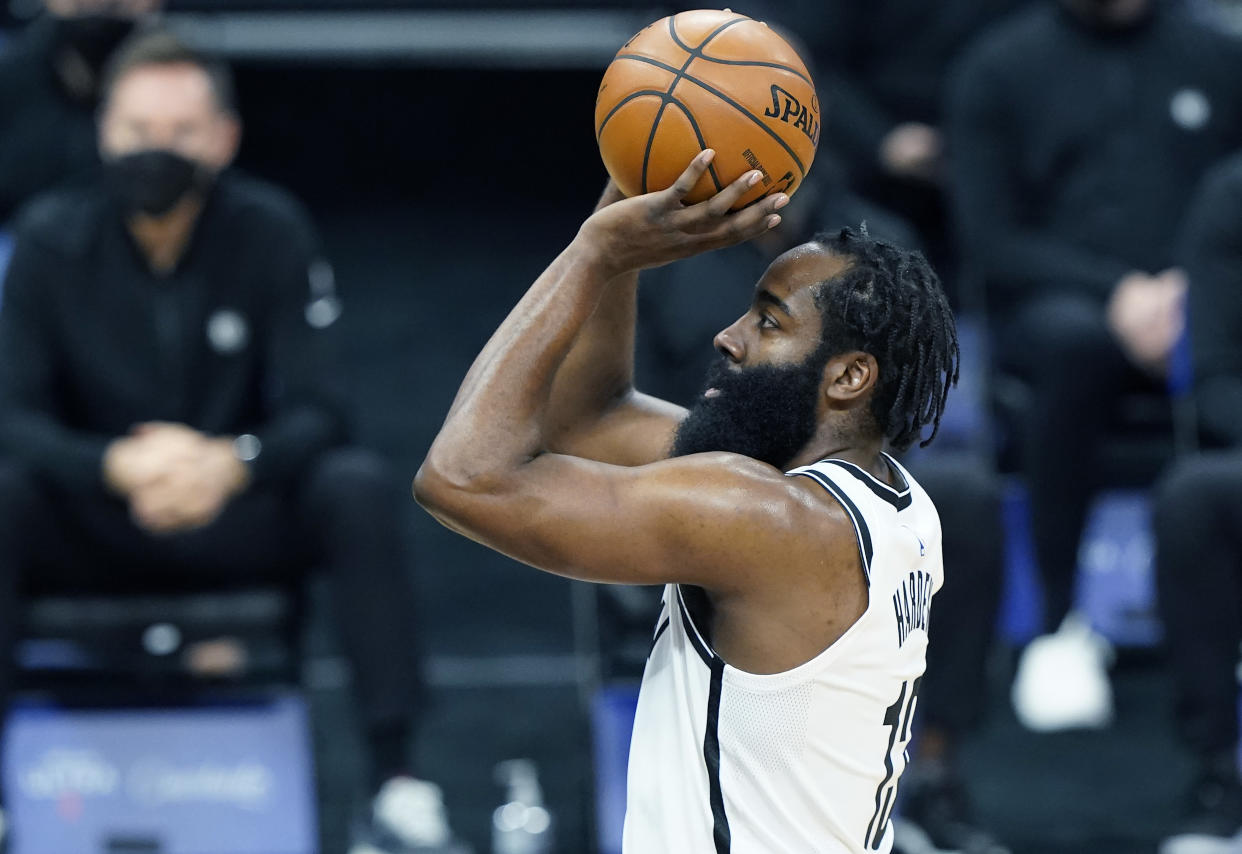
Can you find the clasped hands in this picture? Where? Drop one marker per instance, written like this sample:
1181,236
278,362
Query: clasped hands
173,477
1147,315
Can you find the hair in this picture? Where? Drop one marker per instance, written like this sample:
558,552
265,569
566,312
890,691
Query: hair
160,47
889,303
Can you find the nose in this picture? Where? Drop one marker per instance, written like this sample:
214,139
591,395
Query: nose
729,344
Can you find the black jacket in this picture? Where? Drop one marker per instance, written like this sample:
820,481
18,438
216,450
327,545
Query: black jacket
92,342
883,62
1075,152
1213,258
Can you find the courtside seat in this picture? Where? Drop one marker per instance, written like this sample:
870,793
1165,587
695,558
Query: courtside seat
137,729
6,251
1141,436
243,637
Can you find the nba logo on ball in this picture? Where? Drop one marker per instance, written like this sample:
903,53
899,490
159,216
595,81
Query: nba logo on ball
707,79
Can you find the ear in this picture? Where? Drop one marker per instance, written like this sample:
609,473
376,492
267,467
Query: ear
849,378
227,141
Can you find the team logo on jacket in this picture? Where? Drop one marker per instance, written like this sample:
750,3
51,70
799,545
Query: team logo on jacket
1190,108
227,331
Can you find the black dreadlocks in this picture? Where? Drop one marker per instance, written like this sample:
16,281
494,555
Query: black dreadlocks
889,303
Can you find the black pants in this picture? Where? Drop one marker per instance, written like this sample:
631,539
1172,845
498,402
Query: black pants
1062,346
342,517
1198,518
967,496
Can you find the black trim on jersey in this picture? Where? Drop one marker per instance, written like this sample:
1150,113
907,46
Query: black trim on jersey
660,631
721,834
900,499
865,549
692,632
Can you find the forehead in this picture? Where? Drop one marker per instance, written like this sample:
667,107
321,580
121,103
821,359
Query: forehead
791,276
174,90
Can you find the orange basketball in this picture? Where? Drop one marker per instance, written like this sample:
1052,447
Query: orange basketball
707,79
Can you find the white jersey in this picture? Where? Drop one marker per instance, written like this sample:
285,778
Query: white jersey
804,761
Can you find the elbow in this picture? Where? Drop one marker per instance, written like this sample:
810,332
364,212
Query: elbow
434,488
450,493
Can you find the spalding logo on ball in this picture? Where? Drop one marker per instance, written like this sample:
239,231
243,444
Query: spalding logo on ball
707,79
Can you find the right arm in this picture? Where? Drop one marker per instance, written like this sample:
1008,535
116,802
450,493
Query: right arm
594,410
31,429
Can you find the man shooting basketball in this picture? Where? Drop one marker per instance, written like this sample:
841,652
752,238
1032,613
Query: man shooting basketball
800,561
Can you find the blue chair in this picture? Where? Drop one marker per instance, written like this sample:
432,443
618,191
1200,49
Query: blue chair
612,720
966,421
234,778
6,251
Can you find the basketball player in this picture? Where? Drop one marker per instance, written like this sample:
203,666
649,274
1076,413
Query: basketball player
800,560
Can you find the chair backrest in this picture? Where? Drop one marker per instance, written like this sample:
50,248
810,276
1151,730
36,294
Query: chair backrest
115,643
1181,385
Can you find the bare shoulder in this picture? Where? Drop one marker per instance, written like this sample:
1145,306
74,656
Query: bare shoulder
790,578
724,522
768,488
769,520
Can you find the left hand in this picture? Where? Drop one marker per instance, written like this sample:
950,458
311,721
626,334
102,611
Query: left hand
913,150
657,228
1148,316
192,493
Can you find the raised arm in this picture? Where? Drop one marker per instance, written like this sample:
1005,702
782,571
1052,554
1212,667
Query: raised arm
594,410
489,475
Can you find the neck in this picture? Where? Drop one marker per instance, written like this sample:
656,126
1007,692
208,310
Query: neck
864,453
163,239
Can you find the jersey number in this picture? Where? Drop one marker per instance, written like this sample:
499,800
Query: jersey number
897,718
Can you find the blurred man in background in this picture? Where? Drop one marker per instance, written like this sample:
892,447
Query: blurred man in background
882,68
50,80
1199,525
1079,130
170,412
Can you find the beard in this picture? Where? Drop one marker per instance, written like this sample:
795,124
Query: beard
766,413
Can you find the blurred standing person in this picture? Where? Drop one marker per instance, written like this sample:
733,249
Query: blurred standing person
883,66
1198,516
170,409
50,78
1080,129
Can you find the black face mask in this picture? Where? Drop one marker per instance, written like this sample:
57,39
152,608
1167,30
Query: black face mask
766,413
93,37
153,181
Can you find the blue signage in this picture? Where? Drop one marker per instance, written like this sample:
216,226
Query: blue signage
212,780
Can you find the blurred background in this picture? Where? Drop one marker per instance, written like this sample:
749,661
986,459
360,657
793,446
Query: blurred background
445,152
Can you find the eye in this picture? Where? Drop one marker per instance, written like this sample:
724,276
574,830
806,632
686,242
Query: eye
767,321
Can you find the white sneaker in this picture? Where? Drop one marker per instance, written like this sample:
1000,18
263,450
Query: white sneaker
1201,844
413,812
1062,680
366,848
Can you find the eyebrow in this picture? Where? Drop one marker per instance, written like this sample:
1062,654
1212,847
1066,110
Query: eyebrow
766,297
